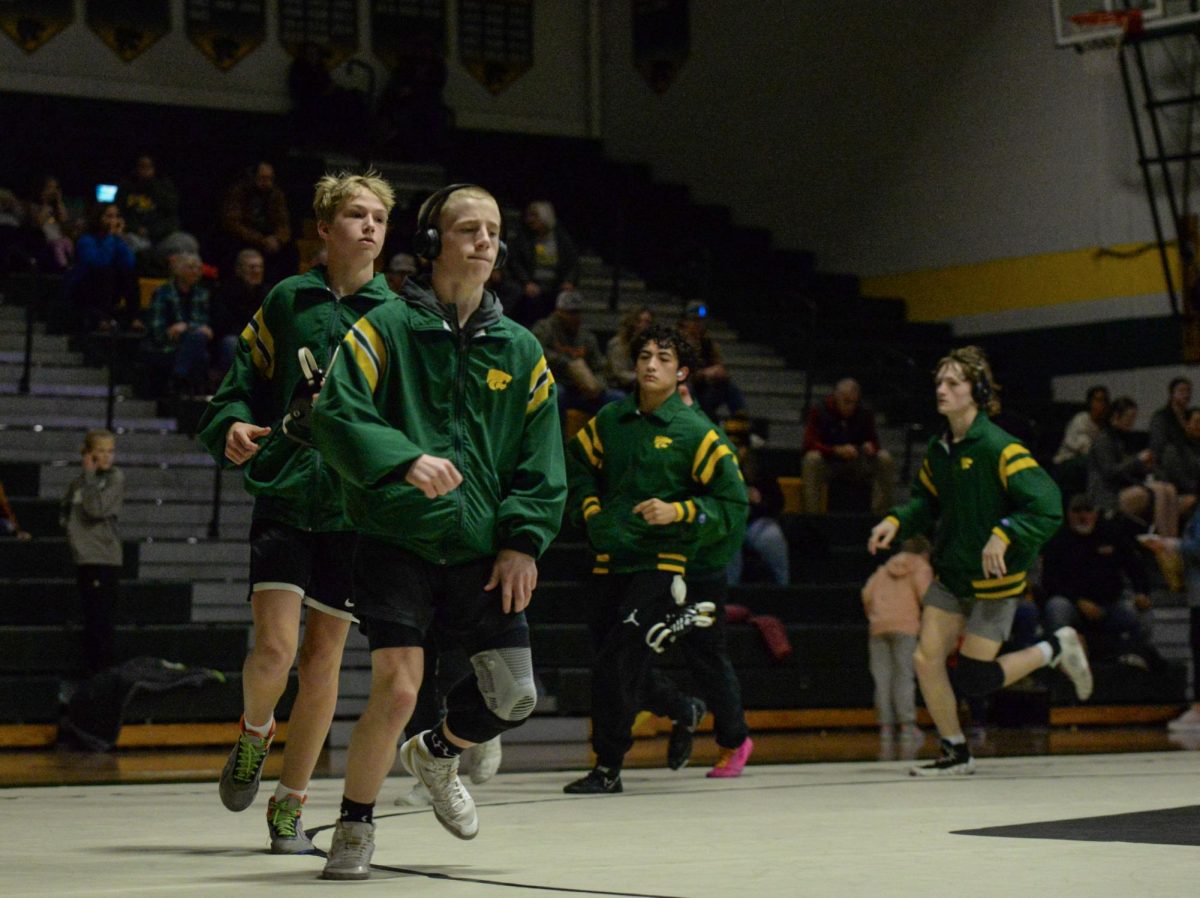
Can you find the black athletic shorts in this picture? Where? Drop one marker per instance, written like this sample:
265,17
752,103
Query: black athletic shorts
399,597
318,567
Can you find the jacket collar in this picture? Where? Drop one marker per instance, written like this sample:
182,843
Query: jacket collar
974,432
664,414
488,318
375,290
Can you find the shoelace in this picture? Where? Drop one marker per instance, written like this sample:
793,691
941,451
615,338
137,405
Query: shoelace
353,845
251,752
284,817
724,757
453,792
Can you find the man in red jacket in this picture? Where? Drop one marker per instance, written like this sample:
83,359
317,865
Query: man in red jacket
841,443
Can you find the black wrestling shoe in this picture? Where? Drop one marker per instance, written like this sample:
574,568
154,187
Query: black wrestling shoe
956,760
597,782
679,748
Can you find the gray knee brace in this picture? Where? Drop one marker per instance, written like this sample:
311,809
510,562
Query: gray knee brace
505,678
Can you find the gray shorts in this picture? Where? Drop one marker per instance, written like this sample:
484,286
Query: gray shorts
988,618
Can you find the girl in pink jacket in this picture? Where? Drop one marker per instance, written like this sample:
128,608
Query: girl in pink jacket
892,601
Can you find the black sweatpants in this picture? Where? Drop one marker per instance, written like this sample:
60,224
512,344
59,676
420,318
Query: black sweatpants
98,591
708,660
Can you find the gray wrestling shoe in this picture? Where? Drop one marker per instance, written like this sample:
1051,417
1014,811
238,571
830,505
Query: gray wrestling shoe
452,804
283,823
242,772
350,851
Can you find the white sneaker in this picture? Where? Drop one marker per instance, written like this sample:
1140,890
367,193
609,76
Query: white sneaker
350,851
485,760
452,804
1187,722
416,797
1073,661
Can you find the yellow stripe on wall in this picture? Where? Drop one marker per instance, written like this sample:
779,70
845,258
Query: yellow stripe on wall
1028,282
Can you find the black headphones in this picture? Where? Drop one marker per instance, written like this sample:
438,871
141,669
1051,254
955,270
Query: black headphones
427,241
981,388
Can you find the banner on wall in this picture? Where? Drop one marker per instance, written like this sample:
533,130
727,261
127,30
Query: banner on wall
225,31
661,40
129,27
495,40
31,23
331,25
405,29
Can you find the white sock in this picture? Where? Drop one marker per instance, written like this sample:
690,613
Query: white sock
282,792
1046,650
960,739
261,731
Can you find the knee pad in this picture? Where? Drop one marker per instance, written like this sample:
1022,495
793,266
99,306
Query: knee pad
975,679
505,678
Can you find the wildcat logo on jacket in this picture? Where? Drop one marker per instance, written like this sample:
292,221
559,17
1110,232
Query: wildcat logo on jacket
497,379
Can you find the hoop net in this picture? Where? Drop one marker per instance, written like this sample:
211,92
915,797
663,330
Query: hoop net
1108,29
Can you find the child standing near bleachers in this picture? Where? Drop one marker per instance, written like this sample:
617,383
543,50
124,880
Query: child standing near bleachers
892,601
88,512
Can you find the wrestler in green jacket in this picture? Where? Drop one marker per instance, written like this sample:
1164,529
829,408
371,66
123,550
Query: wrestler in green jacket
407,382
622,457
987,483
290,482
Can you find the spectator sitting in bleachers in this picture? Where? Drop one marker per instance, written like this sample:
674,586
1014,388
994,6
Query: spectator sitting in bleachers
841,443
11,253
233,305
179,327
892,601
400,267
764,536
1188,548
1181,464
1084,573
543,259
1119,476
573,354
710,382
150,205
102,284
621,372
255,215
47,214
9,525
1071,458
1167,424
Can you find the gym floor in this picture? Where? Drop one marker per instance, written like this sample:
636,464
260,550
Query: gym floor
1042,815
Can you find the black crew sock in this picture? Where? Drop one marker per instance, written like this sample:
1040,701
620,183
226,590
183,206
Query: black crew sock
439,746
353,812
1055,647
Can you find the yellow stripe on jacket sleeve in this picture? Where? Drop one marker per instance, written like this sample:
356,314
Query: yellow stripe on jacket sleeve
540,381
1010,456
584,436
262,344
591,505
366,348
719,453
926,478
1020,464
705,444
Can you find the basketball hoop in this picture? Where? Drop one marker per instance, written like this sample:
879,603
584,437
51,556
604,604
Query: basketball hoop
1104,29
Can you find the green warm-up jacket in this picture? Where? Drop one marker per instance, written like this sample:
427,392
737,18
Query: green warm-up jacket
290,482
408,381
622,457
987,483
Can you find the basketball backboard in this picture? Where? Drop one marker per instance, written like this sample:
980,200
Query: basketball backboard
1075,25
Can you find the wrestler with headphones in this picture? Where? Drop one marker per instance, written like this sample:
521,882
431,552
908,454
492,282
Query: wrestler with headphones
441,416
989,508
